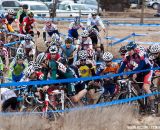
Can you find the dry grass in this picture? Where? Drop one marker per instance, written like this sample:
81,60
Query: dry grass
112,118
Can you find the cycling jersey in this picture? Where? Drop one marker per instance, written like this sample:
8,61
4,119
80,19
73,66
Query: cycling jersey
72,32
28,23
28,47
1,64
84,45
135,62
51,29
95,22
85,70
22,15
57,68
113,68
75,26
68,52
57,56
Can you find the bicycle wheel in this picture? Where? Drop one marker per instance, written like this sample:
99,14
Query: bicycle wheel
50,114
125,94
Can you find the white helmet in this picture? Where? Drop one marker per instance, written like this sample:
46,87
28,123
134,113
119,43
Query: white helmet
107,56
55,37
53,49
10,11
40,58
155,48
20,51
84,33
28,37
82,54
30,70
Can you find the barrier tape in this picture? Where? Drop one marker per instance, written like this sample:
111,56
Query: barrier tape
11,43
94,106
71,80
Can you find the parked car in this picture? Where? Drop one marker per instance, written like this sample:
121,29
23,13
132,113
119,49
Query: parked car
2,11
38,8
153,3
92,4
10,4
72,9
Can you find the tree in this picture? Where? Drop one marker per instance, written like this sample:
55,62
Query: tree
114,5
53,9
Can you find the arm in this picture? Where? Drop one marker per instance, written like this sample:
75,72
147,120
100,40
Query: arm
122,67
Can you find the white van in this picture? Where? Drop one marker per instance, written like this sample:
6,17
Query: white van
38,8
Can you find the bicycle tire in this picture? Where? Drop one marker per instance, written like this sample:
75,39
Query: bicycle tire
51,115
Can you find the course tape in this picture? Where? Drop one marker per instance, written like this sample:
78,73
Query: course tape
71,80
94,106
138,42
11,43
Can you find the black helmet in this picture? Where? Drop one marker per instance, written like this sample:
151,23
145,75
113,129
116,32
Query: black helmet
94,14
31,14
25,6
123,50
131,45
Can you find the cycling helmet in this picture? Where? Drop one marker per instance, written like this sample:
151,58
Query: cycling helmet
131,45
20,51
77,20
40,58
30,70
31,14
82,54
1,43
20,56
55,37
53,49
28,37
85,33
25,6
68,40
107,56
94,14
155,48
123,50
11,11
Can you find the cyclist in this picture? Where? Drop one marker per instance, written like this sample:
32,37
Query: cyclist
21,14
68,50
84,42
154,52
94,20
29,47
108,67
28,24
86,67
18,68
49,29
135,60
73,28
10,19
